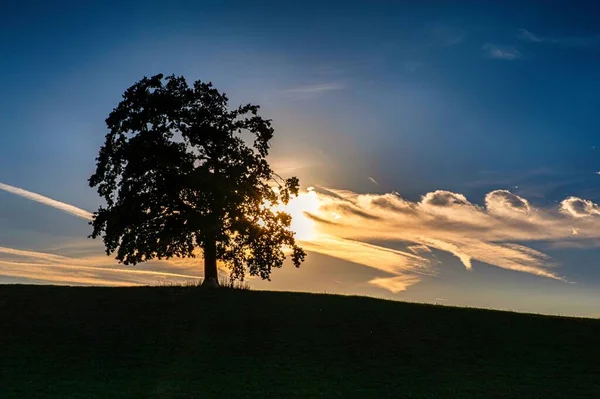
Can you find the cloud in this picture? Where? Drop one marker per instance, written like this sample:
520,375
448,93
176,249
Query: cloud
406,267
496,233
395,284
372,180
419,248
385,232
591,42
579,208
447,35
508,53
90,266
312,91
286,165
94,269
393,201
443,198
377,257
524,34
73,210
503,202
449,208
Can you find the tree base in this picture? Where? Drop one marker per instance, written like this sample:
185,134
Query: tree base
210,282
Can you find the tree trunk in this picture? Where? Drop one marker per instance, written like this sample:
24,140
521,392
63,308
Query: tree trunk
211,277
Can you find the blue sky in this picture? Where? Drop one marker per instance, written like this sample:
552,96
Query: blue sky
404,97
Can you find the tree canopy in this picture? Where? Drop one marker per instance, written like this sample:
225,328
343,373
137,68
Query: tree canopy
180,170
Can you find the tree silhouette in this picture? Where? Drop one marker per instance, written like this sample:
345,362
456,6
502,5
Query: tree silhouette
178,172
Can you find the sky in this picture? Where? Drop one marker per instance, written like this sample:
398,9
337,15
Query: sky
448,152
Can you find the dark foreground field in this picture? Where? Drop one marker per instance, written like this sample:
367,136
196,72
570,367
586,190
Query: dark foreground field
167,342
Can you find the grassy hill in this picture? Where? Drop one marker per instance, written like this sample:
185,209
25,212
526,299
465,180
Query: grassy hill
183,342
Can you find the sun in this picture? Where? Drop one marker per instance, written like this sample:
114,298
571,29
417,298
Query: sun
302,225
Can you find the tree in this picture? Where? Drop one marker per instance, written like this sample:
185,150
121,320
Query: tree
179,170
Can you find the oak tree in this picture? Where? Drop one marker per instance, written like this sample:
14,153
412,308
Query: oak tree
180,170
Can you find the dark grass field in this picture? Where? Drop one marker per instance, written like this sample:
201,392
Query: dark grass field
184,342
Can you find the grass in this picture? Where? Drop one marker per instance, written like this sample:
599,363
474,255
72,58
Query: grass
224,282
185,342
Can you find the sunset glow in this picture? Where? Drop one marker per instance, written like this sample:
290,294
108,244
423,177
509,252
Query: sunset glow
442,152
298,207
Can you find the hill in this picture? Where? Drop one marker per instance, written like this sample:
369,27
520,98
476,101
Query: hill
183,342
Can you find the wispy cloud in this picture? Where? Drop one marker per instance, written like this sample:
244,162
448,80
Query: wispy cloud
591,42
579,208
447,35
395,284
524,34
344,224
493,233
405,267
287,165
94,269
73,210
90,266
508,53
313,90
372,180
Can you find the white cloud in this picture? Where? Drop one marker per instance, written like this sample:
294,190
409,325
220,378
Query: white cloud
94,269
505,203
444,198
449,222
307,92
509,53
344,224
377,257
579,208
73,210
395,284
590,42
524,34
